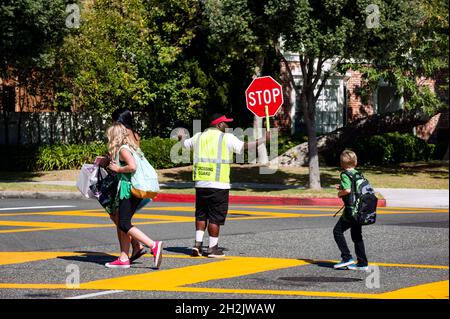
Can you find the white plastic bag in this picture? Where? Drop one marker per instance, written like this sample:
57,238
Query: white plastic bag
88,177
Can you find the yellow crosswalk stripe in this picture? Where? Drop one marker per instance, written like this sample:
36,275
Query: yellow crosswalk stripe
180,279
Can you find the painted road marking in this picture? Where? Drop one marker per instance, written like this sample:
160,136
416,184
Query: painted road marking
29,226
9,258
96,294
179,279
437,290
334,208
37,207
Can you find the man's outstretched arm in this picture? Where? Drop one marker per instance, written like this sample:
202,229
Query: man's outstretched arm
258,142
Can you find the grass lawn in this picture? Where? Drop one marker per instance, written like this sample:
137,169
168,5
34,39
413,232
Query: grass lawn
428,175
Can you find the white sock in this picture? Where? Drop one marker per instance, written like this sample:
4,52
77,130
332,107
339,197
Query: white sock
213,241
199,235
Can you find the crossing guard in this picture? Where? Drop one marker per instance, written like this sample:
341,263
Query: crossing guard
213,156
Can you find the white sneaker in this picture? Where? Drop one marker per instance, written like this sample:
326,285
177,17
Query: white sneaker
344,263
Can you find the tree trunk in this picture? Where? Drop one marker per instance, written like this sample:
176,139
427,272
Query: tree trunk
19,122
313,154
262,157
5,114
6,125
261,153
308,101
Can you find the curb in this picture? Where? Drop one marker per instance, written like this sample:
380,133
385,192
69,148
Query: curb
190,198
297,201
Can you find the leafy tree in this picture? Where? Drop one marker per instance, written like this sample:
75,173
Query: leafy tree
30,32
422,54
135,53
101,60
337,32
329,35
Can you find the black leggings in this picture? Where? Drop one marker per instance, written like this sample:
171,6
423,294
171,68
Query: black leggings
127,208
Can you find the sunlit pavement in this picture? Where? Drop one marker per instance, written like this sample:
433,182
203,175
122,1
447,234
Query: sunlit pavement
57,249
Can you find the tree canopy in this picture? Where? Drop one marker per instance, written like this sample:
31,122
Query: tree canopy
179,60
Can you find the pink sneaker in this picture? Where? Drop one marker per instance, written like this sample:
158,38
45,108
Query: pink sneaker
118,264
157,253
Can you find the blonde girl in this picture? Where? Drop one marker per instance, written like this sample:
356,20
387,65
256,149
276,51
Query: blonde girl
121,143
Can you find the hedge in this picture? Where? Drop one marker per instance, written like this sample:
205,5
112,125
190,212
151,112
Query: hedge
73,156
389,148
376,150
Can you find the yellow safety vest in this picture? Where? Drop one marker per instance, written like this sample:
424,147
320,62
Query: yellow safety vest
212,158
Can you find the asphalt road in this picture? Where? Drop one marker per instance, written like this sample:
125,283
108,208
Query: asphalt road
271,252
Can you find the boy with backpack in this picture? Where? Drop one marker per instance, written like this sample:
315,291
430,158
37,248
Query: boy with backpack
360,206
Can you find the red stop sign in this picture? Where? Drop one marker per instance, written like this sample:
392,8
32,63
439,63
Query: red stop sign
264,91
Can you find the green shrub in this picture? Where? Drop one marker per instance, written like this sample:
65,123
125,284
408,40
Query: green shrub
376,150
385,149
73,156
157,152
67,156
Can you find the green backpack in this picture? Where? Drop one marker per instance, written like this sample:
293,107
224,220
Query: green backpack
362,199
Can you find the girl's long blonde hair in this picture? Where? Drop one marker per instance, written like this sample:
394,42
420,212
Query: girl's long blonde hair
119,135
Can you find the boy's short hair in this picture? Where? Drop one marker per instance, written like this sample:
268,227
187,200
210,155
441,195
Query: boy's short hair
349,158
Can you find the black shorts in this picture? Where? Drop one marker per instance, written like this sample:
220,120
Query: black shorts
211,204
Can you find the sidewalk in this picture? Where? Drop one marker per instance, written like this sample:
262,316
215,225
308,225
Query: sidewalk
393,197
429,198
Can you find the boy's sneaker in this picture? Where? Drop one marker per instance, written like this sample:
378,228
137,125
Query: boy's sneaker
157,253
197,249
118,264
214,252
359,266
344,264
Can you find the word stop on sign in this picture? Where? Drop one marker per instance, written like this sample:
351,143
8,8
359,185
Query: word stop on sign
264,97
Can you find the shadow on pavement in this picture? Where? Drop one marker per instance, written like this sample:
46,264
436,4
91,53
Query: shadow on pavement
188,250
91,257
319,263
180,250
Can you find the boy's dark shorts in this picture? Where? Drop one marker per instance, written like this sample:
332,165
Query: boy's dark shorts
211,204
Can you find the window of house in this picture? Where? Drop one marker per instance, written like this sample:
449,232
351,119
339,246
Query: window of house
329,114
386,99
329,110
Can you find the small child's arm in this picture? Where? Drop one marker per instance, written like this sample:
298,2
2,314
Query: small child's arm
344,188
343,192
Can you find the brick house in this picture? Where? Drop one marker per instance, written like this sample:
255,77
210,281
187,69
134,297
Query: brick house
339,103
16,97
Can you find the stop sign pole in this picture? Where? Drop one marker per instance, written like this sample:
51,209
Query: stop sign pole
264,97
266,108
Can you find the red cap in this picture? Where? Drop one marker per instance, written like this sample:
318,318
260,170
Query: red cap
223,118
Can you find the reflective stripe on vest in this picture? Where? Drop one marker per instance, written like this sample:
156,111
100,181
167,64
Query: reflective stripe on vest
212,161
